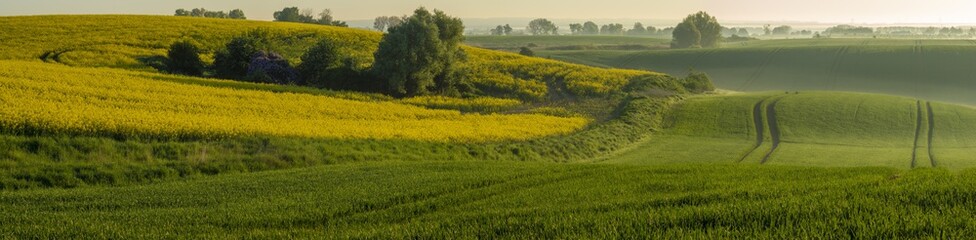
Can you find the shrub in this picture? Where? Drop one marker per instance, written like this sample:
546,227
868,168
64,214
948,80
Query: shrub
184,58
698,82
326,66
525,51
270,67
232,62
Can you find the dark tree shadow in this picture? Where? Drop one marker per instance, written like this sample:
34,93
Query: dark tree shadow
158,62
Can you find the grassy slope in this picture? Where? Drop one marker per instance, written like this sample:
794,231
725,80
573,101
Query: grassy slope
510,199
939,70
814,129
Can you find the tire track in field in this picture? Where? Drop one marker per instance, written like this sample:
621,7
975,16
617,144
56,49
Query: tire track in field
774,133
918,132
832,74
931,117
757,118
762,68
700,57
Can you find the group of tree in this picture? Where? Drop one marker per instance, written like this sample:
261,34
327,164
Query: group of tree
698,30
591,28
742,32
542,26
201,12
501,30
383,23
292,14
420,56
849,30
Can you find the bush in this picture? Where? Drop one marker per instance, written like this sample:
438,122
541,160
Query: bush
232,62
325,66
184,58
270,67
698,82
525,51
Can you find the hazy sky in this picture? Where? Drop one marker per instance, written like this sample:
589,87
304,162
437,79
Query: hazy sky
828,11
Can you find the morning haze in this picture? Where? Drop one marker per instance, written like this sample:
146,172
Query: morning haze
826,11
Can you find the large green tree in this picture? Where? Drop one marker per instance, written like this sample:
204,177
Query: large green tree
697,30
423,55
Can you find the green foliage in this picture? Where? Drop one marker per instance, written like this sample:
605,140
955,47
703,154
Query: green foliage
327,65
184,58
697,30
232,62
422,55
542,26
697,82
526,51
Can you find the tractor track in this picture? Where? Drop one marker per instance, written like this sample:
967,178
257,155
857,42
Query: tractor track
762,68
931,117
774,133
757,118
918,132
832,74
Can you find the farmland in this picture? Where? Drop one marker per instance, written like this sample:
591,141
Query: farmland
938,70
97,140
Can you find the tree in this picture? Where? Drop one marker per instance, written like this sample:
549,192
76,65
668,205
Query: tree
542,26
767,30
382,23
184,58
287,15
508,29
232,62
743,32
697,30
576,28
326,66
237,14
325,18
198,12
270,67
591,28
498,31
638,29
526,51
612,29
651,30
686,35
782,30
182,12
422,56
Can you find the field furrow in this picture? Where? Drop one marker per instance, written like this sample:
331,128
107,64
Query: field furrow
918,132
774,132
931,119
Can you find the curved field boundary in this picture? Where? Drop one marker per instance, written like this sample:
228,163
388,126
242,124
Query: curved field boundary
774,133
931,118
762,68
757,116
918,132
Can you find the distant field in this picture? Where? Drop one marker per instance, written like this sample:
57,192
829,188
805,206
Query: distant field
938,70
812,129
568,42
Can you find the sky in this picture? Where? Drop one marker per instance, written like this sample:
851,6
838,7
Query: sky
822,11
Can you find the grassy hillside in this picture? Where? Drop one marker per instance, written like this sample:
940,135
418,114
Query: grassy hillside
811,129
512,200
938,70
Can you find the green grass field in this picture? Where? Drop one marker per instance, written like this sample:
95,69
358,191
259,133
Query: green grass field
811,129
655,161
937,70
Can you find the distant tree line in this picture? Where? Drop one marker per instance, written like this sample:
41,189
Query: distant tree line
542,26
383,23
502,30
201,12
591,28
420,55
292,14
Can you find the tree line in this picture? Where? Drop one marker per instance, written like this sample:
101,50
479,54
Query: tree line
202,12
420,55
292,14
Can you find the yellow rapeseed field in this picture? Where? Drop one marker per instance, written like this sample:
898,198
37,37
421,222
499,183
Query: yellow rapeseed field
56,99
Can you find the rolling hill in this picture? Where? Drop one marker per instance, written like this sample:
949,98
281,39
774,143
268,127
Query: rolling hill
937,70
811,129
96,142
